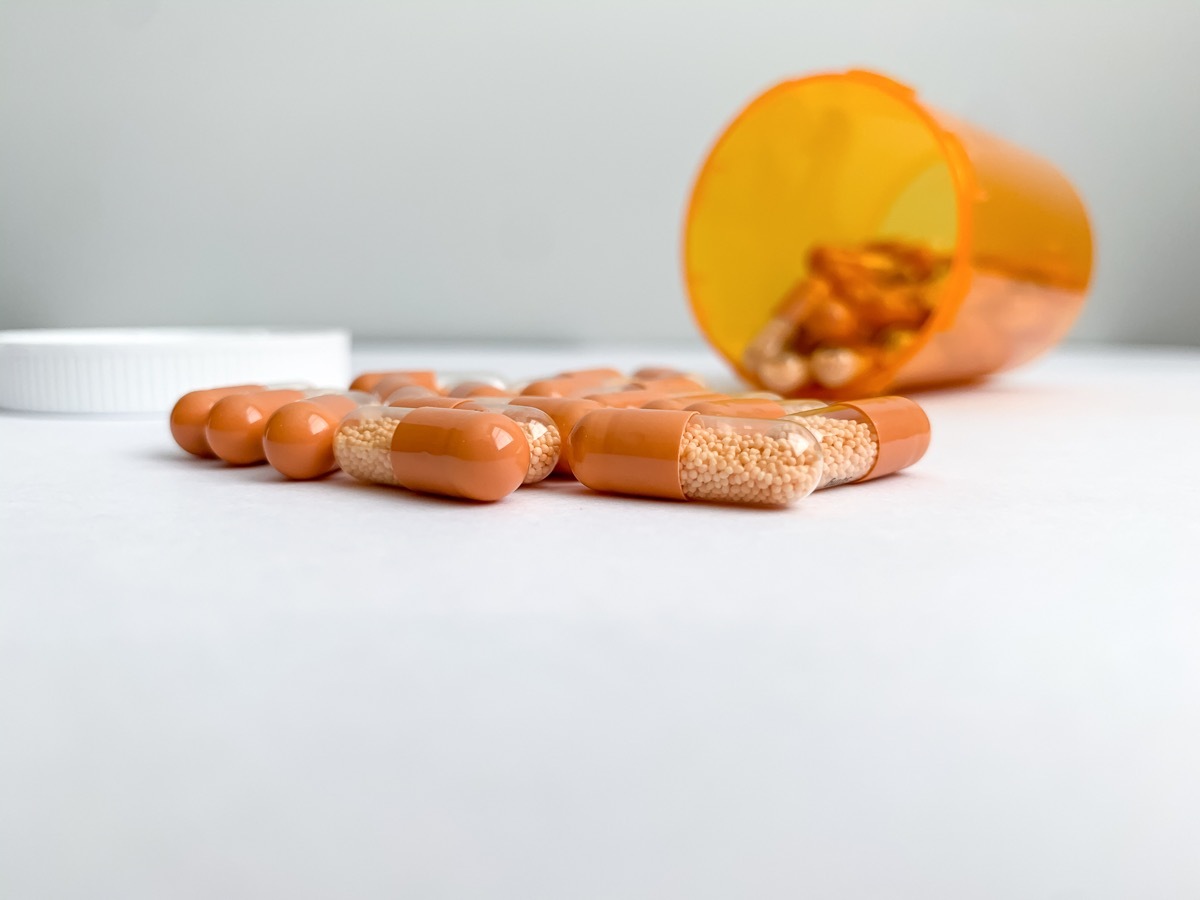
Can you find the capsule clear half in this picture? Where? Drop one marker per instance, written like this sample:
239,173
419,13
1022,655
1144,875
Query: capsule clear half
867,439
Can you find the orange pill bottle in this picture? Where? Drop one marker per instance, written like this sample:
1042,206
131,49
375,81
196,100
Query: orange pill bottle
844,159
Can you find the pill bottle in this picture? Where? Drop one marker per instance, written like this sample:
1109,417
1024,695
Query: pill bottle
845,239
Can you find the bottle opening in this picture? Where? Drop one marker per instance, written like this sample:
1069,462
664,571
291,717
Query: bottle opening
821,233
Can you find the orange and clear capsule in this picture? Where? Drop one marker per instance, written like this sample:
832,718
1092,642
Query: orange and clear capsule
683,401
541,433
671,385
867,439
575,384
539,429
235,424
384,383
681,455
655,373
298,439
394,378
190,415
756,407
470,389
565,413
627,398
602,373
414,397
451,452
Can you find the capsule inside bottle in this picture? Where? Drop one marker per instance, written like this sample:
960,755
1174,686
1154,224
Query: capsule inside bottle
681,455
298,439
867,439
462,453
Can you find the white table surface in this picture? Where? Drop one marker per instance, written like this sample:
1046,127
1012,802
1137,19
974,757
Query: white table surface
978,679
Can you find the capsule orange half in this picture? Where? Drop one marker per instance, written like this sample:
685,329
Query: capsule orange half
298,439
236,424
190,415
459,453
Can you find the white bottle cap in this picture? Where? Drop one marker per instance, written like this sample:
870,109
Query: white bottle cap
145,370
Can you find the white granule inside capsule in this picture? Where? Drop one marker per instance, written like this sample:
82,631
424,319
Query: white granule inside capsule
849,448
362,447
544,445
760,469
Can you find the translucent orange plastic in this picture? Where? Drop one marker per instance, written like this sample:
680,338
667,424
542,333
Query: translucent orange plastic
851,157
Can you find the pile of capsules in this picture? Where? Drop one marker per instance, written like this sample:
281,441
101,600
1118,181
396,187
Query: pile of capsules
661,433
857,309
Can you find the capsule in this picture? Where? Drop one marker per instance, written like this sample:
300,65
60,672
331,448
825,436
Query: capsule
190,415
453,452
654,373
677,384
683,401
298,439
369,381
565,412
867,439
545,439
415,397
384,383
575,384
598,374
541,432
787,373
681,455
470,389
772,341
629,398
836,367
756,407
235,425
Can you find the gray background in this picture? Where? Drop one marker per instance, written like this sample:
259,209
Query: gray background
518,169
